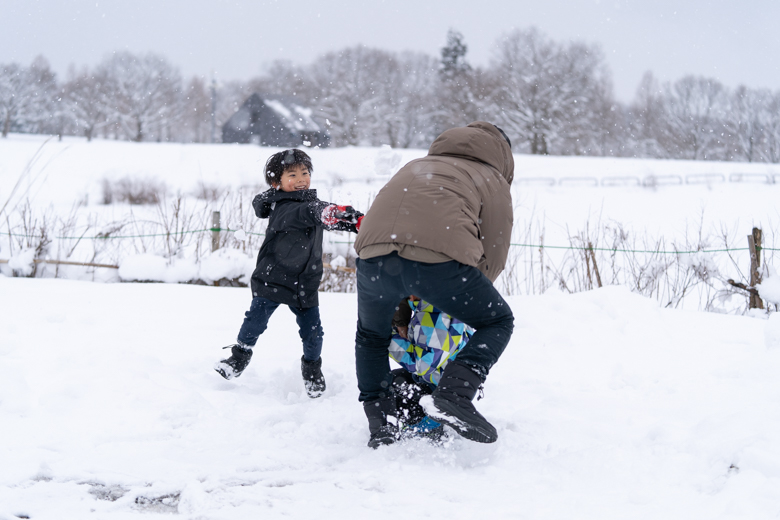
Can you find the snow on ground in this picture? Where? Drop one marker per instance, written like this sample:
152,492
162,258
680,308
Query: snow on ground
607,406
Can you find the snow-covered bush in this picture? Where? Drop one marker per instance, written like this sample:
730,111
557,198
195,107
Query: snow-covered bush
133,190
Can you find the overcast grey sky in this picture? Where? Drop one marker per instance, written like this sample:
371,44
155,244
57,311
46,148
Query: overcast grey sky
737,42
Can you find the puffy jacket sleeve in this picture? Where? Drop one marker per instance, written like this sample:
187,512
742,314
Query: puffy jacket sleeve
309,214
262,204
495,228
292,215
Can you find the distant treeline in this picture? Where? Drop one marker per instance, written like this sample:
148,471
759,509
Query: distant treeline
550,98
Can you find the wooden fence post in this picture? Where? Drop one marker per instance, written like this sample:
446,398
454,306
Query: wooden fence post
595,266
754,243
215,226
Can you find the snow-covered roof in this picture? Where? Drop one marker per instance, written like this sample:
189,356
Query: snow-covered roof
295,116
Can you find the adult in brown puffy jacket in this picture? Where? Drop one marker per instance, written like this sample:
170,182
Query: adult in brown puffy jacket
439,229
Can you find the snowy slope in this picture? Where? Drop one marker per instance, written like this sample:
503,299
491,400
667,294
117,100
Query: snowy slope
606,405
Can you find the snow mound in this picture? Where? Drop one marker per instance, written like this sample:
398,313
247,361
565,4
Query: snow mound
769,288
226,263
23,262
223,263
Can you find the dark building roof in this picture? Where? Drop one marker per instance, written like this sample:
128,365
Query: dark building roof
270,120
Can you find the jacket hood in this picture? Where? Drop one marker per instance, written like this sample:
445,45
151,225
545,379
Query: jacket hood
480,141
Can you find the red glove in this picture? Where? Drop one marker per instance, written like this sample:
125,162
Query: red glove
333,214
360,221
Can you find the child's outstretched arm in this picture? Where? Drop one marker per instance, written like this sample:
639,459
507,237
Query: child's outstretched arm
321,214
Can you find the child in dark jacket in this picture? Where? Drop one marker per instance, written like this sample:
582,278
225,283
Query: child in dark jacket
289,264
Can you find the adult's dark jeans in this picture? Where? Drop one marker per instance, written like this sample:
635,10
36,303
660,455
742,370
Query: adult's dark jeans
459,290
309,326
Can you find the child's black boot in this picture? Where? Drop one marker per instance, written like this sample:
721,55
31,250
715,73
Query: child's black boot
313,379
452,399
234,365
381,421
407,397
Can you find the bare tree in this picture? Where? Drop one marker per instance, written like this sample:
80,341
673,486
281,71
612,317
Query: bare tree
645,117
27,97
457,103
546,93
693,119
413,102
353,86
286,78
772,144
194,116
143,91
13,83
747,120
44,108
87,99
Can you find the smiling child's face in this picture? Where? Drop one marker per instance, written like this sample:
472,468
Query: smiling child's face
294,178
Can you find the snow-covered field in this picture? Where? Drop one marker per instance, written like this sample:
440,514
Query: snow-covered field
625,204
607,405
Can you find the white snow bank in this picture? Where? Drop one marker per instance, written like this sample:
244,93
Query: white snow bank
223,263
606,407
23,262
769,288
227,263
143,267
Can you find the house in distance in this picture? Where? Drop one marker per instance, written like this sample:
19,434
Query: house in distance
269,120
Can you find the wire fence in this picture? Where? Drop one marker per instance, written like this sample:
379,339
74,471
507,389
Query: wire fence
668,274
111,237
533,246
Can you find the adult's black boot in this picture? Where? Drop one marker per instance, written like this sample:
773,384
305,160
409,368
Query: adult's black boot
382,421
453,400
234,365
313,380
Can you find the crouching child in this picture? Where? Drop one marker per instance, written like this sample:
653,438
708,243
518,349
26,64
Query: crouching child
424,340
289,264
